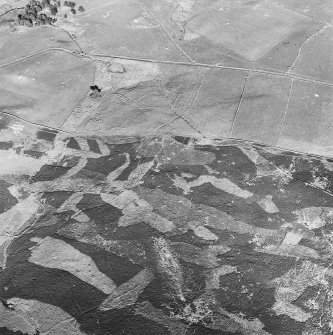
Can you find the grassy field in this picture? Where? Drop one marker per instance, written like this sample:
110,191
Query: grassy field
45,88
28,41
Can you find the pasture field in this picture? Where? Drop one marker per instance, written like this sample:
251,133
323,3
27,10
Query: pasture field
45,88
316,64
25,42
105,29
320,10
262,109
309,123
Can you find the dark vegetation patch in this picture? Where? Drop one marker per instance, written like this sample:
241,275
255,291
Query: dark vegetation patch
264,267
63,41
282,324
49,172
194,280
105,164
116,149
231,163
47,134
155,293
119,269
132,250
56,198
160,292
299,195
134,163
280,160
119,322
320,297
51,223
139,232
52,286
93,177
256,302
240,209
69,161
303,176
196,170
73,144
195,329
246,210
99,211
93,146
315,293
244,292
33,153
6,199
162,178
182,139
6,145
321,173
190,238
27,280
4,122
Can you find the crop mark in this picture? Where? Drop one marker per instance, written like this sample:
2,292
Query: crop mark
199,88
302,45
299,14
180,26
191,125
197,91
169,37
70,36
239,104
174,110
286,110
